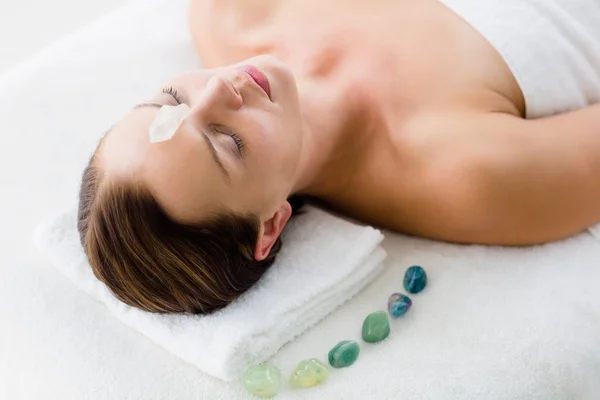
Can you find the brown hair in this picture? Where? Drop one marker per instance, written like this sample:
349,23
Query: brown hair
156,264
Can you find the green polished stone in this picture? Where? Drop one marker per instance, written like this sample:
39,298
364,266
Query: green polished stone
262,380
344,354
309,373
376,327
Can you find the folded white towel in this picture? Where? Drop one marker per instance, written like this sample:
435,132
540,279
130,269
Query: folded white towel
325,261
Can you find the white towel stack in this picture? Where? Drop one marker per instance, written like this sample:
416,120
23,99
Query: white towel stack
325,261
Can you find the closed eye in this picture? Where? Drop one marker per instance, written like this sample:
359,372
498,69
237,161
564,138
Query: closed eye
239,142
170,90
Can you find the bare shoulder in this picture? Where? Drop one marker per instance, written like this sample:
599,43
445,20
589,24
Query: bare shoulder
444,177
430,178
422,180
496,178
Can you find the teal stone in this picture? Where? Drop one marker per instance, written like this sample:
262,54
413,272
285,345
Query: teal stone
376,327
309,373
262,380
398,305
415,279
344,354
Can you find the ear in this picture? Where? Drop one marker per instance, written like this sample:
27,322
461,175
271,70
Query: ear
270,231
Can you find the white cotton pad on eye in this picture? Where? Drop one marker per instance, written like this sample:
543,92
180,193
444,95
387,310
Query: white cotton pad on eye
166,122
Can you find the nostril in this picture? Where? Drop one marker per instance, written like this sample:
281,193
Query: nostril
232,85
238,100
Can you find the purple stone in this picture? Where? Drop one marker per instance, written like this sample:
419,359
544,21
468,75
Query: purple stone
398,305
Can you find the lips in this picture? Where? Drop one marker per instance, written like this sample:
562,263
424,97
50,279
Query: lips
258,77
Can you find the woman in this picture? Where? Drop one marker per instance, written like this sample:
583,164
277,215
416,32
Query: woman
402,115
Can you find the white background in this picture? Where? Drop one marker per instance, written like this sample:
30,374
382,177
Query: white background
27,26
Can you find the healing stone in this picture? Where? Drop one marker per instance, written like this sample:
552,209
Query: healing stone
166,122
262,380
309,373
398,305
376,327
415,279
344,354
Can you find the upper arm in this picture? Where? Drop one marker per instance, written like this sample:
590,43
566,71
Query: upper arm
498,179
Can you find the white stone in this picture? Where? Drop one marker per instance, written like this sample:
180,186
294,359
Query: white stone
167,121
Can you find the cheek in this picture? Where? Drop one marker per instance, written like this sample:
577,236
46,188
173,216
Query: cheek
274,146
277,147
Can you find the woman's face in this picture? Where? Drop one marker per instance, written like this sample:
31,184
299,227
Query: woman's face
237,150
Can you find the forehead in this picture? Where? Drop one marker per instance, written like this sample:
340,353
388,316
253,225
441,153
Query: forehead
178,172
125,146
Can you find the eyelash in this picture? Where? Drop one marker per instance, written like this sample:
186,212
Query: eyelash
173,92
238,140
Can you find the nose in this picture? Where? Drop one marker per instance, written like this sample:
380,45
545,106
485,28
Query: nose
219,95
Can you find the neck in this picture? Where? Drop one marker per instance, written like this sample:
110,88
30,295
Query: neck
335,132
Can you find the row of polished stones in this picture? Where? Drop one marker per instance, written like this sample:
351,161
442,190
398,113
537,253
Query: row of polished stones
264,380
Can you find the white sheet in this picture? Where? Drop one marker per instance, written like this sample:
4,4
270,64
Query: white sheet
492,324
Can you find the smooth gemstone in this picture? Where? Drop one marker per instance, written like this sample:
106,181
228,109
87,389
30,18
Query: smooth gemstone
415,279
166,122
262,380
376,327
309,373
344,354
398,305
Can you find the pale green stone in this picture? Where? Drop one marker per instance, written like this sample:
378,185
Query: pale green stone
376,327
309,373
262,380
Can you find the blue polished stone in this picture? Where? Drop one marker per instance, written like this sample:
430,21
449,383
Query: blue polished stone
398,305
415,279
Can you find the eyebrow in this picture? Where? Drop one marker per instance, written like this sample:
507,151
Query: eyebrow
215,156
157,105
